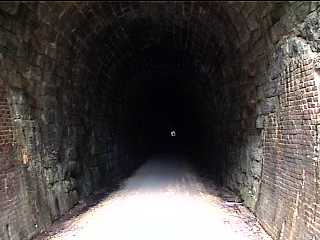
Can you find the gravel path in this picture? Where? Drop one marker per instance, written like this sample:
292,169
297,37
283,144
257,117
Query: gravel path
164,199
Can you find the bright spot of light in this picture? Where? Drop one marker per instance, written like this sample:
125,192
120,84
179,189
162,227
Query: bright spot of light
173,133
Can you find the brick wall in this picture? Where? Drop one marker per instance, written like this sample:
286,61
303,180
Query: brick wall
54,145
288,203
12,198
6,128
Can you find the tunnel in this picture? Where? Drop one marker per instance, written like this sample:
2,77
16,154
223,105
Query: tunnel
90,91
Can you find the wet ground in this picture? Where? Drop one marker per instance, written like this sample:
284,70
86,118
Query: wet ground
164,199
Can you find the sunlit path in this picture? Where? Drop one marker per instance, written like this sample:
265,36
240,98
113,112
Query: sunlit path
163,200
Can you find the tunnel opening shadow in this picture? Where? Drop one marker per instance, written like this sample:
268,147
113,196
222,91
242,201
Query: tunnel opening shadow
173,96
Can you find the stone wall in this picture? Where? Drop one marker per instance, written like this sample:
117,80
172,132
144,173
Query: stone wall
288,203
269,145
56,146
12,200
68,73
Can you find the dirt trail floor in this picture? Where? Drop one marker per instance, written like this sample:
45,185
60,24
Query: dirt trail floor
164,199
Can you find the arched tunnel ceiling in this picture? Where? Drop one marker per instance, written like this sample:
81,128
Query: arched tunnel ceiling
205,30
117,41
128,36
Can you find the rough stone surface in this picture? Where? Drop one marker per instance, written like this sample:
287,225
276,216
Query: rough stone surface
74,87
289,176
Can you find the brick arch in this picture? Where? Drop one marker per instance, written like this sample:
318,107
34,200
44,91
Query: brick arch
62,61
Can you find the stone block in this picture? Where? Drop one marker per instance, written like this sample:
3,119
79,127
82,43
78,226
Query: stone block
272,88
248,198
11,7
270,105
15,80
302,10
260,122
50,175
256,169
294,48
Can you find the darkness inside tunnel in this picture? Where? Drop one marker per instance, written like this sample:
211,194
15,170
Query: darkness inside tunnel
164,102
161,85
142,80
164,89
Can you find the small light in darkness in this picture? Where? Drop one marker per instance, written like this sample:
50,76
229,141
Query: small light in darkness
173,133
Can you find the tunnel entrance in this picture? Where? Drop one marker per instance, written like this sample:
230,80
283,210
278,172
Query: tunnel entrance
89,92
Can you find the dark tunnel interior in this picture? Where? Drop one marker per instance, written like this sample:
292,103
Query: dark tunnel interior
157,86
164,89
164,102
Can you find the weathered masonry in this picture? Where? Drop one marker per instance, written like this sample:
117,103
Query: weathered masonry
87,90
